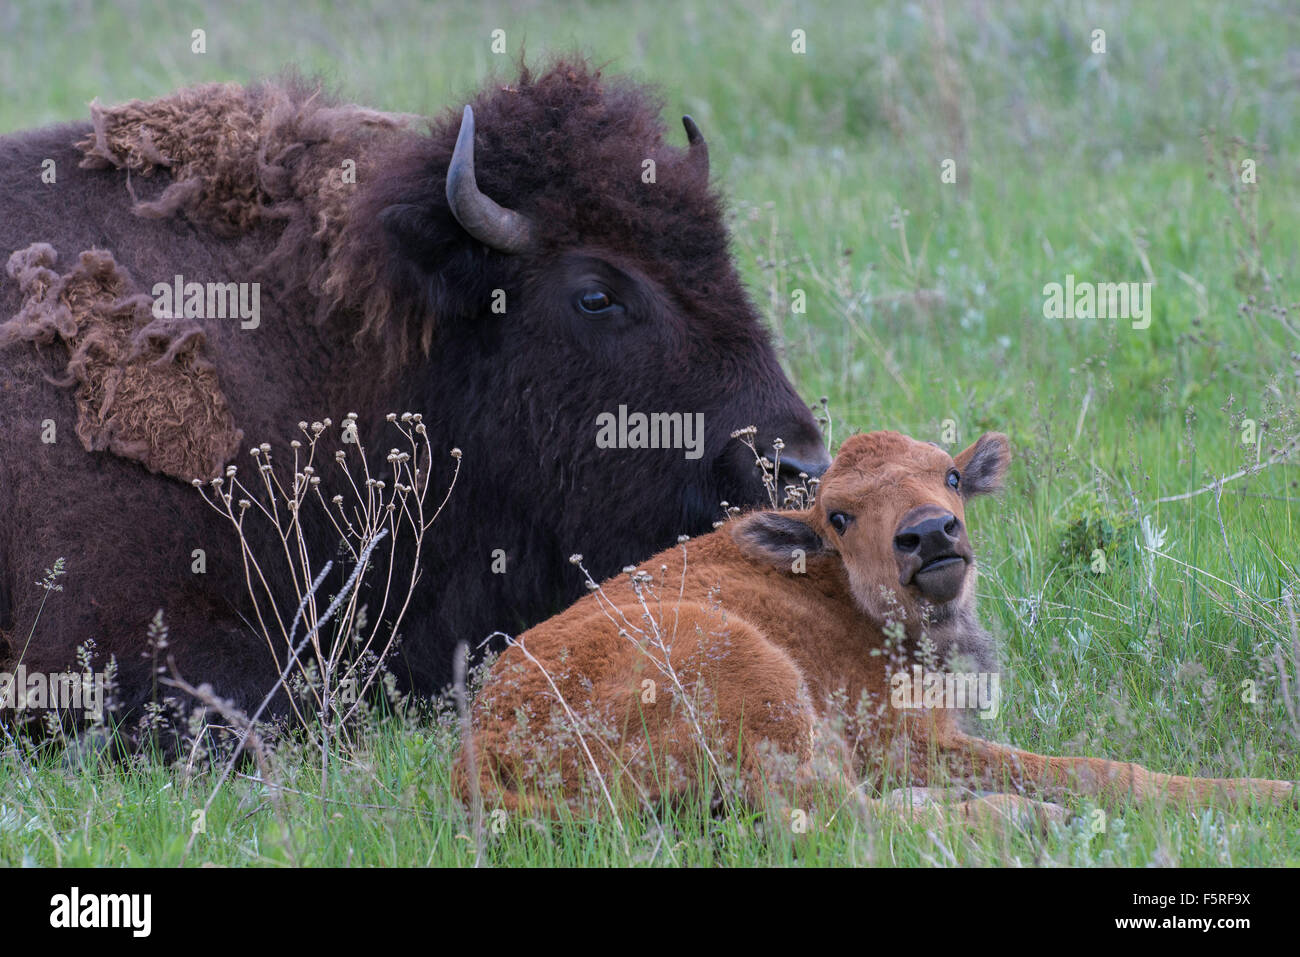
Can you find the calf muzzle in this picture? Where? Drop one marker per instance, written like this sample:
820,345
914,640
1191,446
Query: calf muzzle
932,553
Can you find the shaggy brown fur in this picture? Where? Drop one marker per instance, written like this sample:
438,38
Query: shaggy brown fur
240,157
775,627
145,389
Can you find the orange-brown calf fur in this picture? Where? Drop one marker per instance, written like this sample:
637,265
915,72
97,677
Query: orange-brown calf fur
763,649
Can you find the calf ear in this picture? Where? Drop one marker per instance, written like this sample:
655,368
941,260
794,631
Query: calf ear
983,466
777,538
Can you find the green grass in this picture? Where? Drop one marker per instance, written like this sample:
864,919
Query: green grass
390,806
1066,163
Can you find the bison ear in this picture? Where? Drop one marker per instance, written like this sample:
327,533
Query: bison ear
983,466
433,264
777,538
416,230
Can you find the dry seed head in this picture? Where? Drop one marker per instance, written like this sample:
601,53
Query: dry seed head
455,453
575,559
391,417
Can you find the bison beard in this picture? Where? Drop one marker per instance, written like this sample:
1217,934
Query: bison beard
376,297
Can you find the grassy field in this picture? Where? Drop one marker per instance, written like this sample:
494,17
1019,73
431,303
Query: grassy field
924,304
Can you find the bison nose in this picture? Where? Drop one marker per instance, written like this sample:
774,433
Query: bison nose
812,460
930,538
932,555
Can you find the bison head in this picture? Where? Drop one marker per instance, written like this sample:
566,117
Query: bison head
561,265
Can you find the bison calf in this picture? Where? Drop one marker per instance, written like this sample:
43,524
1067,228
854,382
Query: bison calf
751,654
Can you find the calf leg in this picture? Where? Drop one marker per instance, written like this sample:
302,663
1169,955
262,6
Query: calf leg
1111,782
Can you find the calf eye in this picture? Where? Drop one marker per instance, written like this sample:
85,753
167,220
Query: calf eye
954,479
840,522
595,301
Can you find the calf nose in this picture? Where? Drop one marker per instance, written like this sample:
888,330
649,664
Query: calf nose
929,538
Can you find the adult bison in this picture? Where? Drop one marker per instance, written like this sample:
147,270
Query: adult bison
514,274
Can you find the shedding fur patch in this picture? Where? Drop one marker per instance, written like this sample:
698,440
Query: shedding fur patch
243,156
145,387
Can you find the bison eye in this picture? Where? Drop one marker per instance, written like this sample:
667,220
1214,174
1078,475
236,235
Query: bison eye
954,479
840,522
595,301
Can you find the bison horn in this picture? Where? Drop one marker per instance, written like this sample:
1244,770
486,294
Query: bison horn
502,229
699,154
